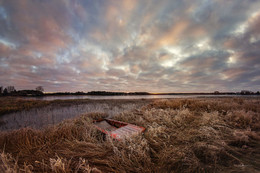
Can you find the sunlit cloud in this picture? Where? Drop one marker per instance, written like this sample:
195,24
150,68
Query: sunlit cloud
130,45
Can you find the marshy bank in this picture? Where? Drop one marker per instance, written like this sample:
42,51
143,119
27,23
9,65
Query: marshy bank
182,135
19,113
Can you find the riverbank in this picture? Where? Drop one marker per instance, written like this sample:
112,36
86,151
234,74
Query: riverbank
182,135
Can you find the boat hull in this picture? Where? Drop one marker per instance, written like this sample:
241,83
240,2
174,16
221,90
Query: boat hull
117,129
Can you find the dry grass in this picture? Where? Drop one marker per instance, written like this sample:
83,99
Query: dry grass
182,135
15,104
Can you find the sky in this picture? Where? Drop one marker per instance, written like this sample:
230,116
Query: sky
130,45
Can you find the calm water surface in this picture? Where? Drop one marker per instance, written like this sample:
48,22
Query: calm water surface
124,97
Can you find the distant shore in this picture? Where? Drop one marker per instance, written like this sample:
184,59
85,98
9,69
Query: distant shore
38,93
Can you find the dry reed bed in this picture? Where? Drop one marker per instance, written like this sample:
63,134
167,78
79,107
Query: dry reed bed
182,135
15,104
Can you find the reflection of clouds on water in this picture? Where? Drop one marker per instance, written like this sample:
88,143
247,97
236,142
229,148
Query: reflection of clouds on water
42,117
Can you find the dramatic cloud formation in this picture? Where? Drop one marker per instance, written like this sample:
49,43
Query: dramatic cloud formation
130,45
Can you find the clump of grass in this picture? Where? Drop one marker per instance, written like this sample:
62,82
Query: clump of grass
194,135
7,163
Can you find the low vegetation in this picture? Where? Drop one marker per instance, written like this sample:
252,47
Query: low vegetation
182,135
15,104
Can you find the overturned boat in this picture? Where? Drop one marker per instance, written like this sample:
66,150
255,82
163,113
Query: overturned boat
117,129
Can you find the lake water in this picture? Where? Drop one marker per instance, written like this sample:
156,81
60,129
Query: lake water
123,97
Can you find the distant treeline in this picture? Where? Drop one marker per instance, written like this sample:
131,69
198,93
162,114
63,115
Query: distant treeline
106,93
101,93
243,92
11,91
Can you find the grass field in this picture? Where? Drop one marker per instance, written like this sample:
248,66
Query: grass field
182,135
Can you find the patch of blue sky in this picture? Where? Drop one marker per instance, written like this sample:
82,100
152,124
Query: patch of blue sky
3,13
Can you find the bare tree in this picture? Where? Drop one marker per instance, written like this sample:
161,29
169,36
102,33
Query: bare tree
246,92
5,92
1,89
10,89
39,88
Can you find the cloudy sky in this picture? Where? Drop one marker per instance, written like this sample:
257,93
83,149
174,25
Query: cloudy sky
130,45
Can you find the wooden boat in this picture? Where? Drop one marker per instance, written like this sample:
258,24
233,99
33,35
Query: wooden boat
117,129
